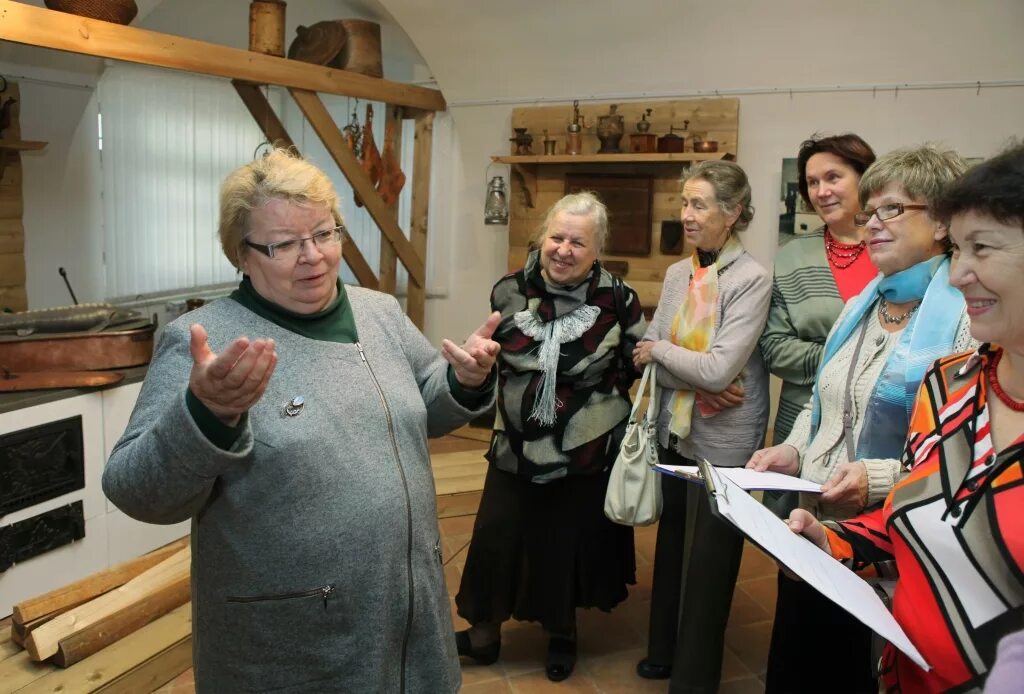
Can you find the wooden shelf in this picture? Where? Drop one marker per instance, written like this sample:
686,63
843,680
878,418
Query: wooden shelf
624,158
22,145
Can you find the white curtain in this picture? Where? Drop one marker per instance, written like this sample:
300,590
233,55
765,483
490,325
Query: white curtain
169,138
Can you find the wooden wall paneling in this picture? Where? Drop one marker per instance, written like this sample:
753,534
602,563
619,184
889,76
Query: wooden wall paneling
12,236
718,117
423,147
327,130
388,260
35,26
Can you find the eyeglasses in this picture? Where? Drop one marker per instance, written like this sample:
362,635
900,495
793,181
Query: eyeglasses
290,249
884,212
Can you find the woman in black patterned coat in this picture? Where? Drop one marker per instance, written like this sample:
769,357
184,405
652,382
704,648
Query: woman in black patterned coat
541,545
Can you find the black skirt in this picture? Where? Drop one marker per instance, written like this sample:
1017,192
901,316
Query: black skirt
539,551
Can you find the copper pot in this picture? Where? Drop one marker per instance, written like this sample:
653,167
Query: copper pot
705,146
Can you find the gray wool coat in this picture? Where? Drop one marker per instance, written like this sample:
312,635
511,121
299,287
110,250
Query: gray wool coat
316,559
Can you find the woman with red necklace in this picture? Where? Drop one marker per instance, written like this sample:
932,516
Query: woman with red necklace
815,274
955,525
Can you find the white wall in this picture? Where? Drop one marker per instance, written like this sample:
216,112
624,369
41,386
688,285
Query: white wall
510,54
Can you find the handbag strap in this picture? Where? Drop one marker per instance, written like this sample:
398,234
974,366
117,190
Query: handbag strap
652,403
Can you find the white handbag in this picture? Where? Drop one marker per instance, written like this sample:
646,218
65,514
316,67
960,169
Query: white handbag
634,488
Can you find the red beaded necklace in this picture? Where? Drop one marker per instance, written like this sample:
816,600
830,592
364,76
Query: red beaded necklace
993,382
841,255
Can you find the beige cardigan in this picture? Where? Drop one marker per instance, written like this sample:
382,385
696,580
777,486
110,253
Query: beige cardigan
820,458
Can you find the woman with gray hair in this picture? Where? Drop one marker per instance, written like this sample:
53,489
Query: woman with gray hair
851,434
714,405
541,544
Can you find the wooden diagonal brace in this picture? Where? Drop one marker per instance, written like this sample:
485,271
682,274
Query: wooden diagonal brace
274,131
317,115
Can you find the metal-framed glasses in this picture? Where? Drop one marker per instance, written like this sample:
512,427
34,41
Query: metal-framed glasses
884,212
290,249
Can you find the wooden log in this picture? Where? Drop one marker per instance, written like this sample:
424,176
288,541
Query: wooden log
116,626
262,112
140,662
44,641
423,146
388,265
83,590
318,116
22,23
20,632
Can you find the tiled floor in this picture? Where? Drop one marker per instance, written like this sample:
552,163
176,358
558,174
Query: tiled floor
610,644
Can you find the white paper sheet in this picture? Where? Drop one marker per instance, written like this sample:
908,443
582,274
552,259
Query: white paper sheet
747,479
818,568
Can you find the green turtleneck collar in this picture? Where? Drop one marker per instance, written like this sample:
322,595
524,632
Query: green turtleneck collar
333,324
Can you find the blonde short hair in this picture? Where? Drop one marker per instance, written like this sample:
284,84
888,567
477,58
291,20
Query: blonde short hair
280,174
924,172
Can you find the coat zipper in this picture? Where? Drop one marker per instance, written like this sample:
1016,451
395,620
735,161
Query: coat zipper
326,591
408,512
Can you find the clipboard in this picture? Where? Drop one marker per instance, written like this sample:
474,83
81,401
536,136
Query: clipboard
732,504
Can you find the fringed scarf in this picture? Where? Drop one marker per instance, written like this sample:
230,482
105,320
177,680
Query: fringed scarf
694,324
551,336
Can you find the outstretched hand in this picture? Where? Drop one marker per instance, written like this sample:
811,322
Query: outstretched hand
231,382
473,361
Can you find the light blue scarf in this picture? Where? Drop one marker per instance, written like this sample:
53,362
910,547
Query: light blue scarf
928,336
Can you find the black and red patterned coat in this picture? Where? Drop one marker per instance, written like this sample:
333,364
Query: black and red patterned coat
955,526
595,372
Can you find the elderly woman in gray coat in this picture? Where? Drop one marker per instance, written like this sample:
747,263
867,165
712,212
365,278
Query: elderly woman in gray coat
301,457
714,405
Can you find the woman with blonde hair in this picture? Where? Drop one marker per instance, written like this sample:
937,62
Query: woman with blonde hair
851,433
289,450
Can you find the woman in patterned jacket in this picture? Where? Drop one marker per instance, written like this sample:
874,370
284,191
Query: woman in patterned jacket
955,524
541,544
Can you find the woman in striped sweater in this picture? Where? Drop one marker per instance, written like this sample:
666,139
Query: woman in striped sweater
816,273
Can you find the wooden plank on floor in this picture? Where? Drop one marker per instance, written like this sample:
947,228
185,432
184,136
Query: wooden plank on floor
20,671
155,672
102,671
454,505
456,485
475,433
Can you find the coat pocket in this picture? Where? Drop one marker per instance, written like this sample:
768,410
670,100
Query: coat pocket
269,641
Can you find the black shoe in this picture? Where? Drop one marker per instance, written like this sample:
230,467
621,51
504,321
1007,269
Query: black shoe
561,658
650,671
484,656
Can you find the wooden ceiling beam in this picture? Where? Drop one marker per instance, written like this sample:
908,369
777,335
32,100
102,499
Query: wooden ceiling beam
60,31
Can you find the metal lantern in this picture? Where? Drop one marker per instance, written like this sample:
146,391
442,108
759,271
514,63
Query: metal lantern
496,203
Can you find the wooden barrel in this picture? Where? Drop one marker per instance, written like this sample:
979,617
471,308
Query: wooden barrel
361,52
266,27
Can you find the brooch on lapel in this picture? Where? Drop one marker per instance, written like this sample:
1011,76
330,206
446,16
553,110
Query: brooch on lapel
294,406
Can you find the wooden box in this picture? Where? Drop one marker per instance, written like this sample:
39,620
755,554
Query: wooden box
628,198
643,143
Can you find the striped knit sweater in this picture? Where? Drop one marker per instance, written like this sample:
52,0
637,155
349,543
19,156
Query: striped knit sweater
805,304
